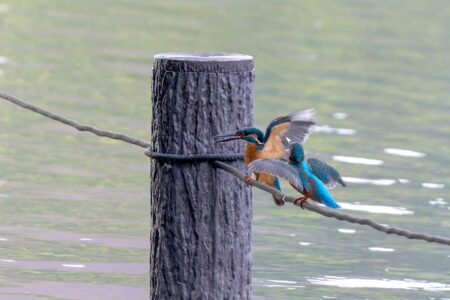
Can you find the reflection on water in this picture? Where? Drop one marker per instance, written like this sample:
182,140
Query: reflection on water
340,115
377,209
283,281
76,290
358,160
4,8
91,267
329,129
379,283
73,266
403,152
381,249
304,244
77,200
344,230
438,201
403,180
384,182
429,185
285,284
59,236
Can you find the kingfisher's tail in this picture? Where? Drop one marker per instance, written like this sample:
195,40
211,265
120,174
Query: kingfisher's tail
322,194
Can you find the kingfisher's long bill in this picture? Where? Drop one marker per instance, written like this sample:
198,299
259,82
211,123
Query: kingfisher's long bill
227,137
272,144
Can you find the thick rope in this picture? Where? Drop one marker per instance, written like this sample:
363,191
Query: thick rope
233,171
333,213
182,158
80,127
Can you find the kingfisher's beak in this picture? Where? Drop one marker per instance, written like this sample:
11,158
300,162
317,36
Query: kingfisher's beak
227,137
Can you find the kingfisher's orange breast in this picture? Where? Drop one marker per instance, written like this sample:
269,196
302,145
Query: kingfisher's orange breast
271,150
252,153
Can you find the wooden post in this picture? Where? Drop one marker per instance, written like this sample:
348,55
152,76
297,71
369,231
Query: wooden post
200,216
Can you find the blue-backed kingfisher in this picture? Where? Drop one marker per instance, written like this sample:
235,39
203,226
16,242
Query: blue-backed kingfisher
310,177
272,144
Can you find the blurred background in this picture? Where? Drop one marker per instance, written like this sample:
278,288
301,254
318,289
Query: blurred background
74,209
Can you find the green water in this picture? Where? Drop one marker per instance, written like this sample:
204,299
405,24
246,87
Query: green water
74,208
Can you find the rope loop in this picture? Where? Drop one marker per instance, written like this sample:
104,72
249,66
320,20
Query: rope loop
193,158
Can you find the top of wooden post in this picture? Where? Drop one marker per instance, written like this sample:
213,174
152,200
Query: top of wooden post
216,62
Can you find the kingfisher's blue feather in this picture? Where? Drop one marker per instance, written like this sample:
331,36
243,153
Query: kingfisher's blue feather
277,184
277,168
326,173
252,130
299,174
321,192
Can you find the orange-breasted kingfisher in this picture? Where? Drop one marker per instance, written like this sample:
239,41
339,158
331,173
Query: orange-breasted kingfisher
296,127
310,177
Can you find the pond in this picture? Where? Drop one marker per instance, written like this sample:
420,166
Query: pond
74,209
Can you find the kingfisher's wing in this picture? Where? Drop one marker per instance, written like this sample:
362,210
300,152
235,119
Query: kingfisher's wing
326,173
277,168
296,126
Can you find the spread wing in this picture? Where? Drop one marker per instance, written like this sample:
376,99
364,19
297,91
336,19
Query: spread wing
296,127
326,173
277,168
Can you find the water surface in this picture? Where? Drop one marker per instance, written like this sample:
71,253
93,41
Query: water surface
74,208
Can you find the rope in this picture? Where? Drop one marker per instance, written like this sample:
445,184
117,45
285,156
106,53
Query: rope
333,213
233,171
80,127
183,158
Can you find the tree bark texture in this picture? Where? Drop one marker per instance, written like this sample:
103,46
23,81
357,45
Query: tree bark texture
200,216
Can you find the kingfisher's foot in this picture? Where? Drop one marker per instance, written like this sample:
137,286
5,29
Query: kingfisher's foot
278,201
302,201
248,178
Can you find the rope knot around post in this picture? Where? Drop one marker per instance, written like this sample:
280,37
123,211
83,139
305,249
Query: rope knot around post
194,158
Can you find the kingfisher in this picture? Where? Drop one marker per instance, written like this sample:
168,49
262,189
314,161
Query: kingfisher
310,177
272,144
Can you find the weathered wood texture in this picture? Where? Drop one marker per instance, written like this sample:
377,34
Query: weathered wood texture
200,217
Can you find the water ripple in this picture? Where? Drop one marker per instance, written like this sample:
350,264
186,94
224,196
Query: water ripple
349,231
358,160
381,249
340,115
404,152
282,281
4,8
94,267
377,209
77,266
55,235
61,290
381,181
304,244
329,129
429,185
438,201
406,284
